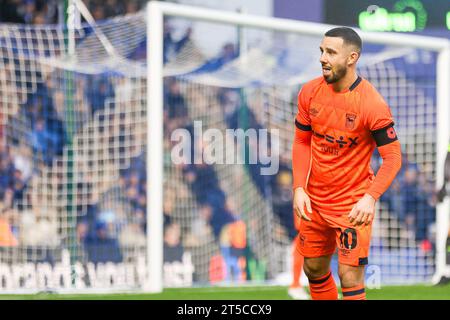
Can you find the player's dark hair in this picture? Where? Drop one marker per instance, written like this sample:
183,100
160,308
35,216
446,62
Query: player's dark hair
347,34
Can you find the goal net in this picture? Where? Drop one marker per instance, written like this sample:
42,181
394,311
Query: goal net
74,187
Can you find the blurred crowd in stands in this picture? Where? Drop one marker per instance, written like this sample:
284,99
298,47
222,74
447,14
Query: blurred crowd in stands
48,11
411,199
29,11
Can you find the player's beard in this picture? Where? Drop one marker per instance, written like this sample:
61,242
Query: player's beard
337,74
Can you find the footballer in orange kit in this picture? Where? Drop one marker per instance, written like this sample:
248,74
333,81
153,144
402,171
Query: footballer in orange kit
341,119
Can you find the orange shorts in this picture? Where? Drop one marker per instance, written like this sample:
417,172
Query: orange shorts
325,233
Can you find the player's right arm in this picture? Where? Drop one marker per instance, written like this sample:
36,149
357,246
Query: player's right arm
301,157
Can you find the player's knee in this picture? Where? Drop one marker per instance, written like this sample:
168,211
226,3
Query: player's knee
315,268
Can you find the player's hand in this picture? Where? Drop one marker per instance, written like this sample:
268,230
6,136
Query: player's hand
363,211
301,200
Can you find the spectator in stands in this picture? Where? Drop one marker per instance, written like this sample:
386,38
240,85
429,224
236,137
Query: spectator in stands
102,9
48,134
221,216
27,11
57,132
12,182
113,8
132,235
8,198
6,171
281,187
200,229
18,187
238,116
82,231
38,226
41,141
87,209
10,11
98,13
173,249
39,19
98,89
8,238
175,107
395,200
233,241
410,198
132,189
409,192
102,248
110,216
172,47
22,160
204,183
131,7
230,101
227,54
2,127
425,213
168,205
133,181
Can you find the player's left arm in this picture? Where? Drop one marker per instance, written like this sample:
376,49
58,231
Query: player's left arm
383,132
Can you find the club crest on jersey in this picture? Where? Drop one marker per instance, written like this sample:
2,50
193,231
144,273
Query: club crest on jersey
350,120
313,112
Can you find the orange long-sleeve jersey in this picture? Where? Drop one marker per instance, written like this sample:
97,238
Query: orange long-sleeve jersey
336,134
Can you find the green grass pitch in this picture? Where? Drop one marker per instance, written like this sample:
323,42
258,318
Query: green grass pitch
418,292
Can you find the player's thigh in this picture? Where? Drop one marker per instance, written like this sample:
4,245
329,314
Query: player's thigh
353,242
316,243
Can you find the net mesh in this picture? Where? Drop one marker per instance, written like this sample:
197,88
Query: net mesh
73,140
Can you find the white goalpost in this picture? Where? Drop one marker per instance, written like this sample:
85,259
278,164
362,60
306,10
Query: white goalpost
155,151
